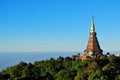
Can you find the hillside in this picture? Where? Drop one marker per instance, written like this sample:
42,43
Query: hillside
65,69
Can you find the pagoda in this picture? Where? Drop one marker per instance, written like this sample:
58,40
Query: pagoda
93,48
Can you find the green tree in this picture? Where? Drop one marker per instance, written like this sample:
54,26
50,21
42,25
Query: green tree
65,74
117,77
98,75
80,75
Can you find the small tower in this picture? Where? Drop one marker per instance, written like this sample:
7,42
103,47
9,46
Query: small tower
93,47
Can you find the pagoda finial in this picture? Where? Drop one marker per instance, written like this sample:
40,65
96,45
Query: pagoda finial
92,26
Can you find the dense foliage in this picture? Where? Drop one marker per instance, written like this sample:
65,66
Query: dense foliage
105,68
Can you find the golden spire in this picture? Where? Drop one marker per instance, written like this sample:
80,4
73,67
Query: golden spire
92,26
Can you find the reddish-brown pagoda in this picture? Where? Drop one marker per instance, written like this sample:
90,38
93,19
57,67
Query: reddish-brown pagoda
93,48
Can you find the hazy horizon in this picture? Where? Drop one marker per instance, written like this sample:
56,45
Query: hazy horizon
8,59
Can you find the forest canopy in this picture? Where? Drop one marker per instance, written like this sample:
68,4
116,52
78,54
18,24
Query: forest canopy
105,68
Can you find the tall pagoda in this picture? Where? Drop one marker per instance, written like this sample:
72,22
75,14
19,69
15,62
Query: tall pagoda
93,48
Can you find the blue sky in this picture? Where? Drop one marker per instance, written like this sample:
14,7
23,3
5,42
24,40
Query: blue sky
57,25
